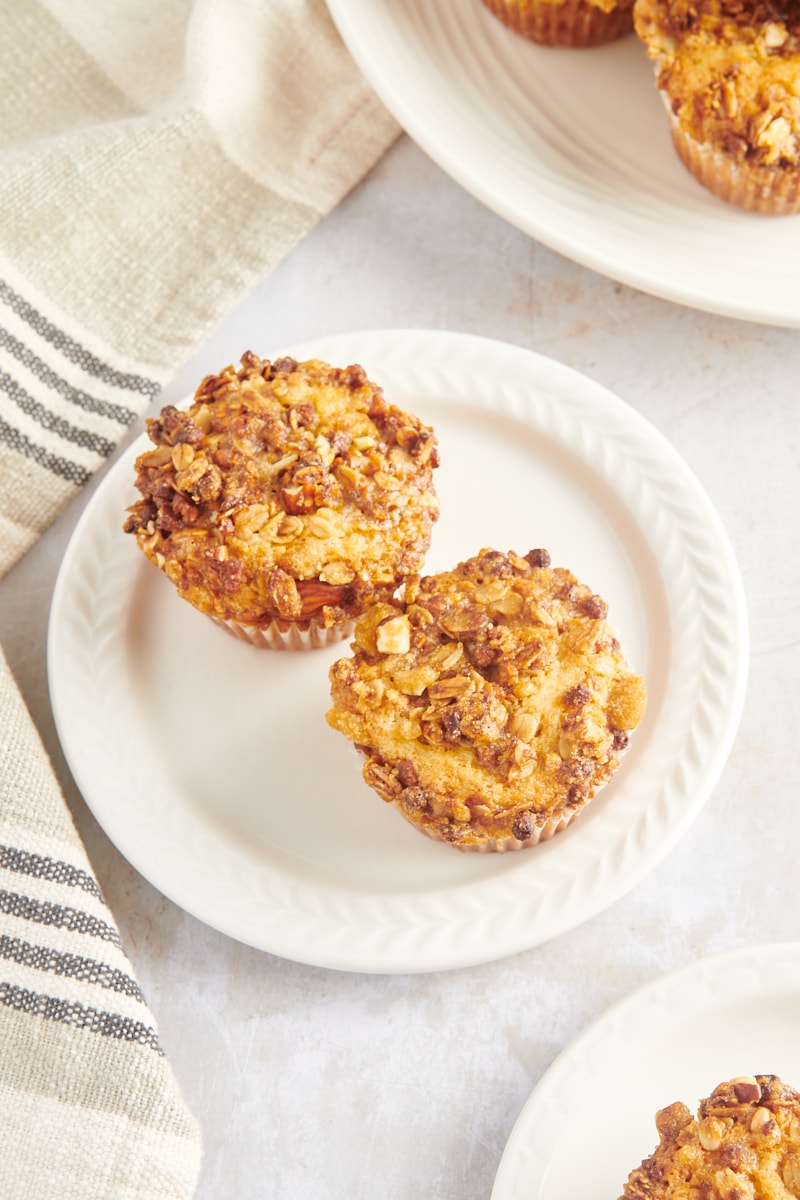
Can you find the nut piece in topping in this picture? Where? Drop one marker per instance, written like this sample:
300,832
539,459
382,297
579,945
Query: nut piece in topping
747,1089
502,690
394,636
286,499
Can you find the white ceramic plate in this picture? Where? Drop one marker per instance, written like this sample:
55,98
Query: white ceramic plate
675,1039
572,147
210,765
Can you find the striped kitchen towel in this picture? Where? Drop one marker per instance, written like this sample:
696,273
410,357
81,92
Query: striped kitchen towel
89,1106
156,161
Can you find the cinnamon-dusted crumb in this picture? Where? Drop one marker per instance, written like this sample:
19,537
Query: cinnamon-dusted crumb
744,1144
491,701
286,492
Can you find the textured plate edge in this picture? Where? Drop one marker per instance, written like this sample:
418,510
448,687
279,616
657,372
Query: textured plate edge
519,1146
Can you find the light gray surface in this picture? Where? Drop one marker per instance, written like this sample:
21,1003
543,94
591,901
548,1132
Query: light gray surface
320,1085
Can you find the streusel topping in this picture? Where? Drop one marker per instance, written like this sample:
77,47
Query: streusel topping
488,698
730,72
286,491
744,1144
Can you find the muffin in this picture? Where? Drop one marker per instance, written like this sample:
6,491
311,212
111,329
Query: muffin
286,499
744,1144
576,23
729,75
490,702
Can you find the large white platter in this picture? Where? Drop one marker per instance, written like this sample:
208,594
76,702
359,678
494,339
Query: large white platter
572,147
590,1120
210,765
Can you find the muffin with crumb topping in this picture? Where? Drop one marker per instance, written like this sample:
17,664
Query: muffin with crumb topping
729,75
744,1144
575,23
490,702
286,499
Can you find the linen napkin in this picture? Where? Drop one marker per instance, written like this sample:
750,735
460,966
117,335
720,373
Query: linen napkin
156,161
89,1106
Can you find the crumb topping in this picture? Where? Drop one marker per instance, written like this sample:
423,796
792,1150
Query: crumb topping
744,1144
488,698
286,491
730,72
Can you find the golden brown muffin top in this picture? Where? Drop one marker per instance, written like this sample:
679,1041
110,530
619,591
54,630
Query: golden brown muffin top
286,491
744,1144
488,698
730,72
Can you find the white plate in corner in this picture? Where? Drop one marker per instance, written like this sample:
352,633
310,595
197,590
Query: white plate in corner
674,1039
572,147
210,766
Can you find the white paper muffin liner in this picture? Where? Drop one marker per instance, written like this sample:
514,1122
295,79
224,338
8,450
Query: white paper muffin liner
293,638
576,23
774,191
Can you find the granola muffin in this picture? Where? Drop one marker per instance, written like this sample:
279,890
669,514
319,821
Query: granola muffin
576,23
744,1144
729,75
286,499
490,702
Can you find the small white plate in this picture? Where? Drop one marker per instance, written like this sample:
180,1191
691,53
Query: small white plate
590,1120
210,764
572,147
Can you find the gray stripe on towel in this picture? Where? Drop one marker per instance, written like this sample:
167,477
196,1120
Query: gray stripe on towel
68,966
60,916
71,349
81,1016
64,468
24,355
51,869
48,420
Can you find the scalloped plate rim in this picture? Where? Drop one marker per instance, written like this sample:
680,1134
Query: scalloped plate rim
367,951
764,961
